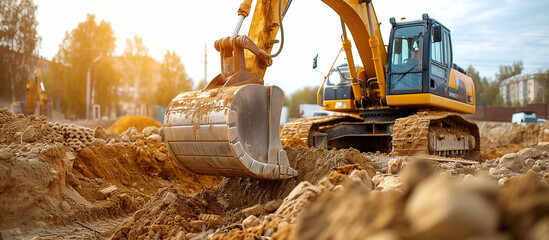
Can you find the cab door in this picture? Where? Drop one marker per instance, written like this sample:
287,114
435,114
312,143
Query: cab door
440,60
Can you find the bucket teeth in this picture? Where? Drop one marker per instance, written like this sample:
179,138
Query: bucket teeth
230,131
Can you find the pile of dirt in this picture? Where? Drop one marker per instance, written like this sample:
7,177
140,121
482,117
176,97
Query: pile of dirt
128,121
434,206
53,174
334,197
311,164
239,198
498,139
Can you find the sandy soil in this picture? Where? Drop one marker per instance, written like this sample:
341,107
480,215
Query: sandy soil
126,186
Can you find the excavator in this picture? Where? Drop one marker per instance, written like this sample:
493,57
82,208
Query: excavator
36,98
406,98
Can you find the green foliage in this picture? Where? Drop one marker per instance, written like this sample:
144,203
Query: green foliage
68,69
486,92
302,96
19,42
174,80
507,71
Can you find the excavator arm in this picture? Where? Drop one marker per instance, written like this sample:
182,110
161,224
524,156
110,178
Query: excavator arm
231,128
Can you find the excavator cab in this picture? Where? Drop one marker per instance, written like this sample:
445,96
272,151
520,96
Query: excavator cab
420,62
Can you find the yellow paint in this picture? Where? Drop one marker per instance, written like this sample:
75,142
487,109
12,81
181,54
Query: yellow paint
428,100
468,81
330,105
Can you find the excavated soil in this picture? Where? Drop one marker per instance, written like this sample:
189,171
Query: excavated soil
139,122
55,174
498,139
127,186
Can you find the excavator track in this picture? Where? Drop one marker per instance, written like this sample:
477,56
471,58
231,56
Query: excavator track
298,132
423,133
436,133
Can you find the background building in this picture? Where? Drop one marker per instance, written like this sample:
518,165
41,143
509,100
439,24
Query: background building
520,90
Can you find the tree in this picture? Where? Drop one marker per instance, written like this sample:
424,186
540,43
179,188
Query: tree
137,68
202,84
19,41
80,47
306,95
507,71
543,80
174,80
479,85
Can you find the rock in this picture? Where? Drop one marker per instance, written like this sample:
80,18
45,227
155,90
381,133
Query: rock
5,154
256,210
416,171
272,206
113,136
211,220
530,153
192,235
147,131
169,198
160,156
180,236
100,132
361,176
197,225
395,165
99,142
250,222
138,214
125,138
29,135
512,161
389,183
441,209
109,190
154,138
65,206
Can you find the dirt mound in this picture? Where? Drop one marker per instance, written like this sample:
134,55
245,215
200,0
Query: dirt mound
23,129
54,174
139,122
534,159
439,207
311,164
138,169
239,198
33,185
498,139
496,135
170,214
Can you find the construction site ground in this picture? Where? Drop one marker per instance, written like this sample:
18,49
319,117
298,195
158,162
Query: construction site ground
62,180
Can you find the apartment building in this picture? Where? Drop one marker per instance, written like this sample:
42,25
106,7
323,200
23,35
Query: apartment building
520,89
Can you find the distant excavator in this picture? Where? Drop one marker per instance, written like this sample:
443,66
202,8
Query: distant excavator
36,98
404,99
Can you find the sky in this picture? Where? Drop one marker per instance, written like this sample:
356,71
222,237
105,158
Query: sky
485,33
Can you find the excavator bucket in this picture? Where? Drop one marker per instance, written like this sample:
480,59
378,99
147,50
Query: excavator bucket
229,131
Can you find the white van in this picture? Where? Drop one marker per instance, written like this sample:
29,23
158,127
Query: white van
525,117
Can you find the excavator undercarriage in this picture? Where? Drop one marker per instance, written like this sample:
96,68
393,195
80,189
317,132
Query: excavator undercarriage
423,133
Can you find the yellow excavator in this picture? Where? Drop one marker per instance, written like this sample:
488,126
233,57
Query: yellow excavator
36,98
406,98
